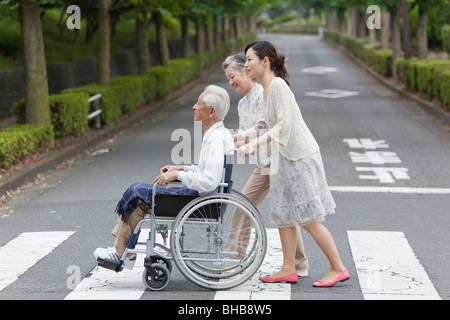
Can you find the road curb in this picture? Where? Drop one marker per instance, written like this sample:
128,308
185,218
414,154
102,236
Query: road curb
96,136
426,105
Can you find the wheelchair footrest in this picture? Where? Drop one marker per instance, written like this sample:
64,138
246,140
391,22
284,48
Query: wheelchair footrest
110,264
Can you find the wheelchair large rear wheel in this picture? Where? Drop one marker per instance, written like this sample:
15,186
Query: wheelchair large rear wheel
218,241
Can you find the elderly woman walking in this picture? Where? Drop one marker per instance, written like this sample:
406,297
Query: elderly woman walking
252,123
299,192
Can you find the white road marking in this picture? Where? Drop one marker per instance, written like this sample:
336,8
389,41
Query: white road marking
383,174
24,251
388,268
362,189
105,284
319,70
254,289
331,93
386,265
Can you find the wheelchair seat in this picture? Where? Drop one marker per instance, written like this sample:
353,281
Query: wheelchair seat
166,205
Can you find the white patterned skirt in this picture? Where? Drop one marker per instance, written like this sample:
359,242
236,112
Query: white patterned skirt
299,192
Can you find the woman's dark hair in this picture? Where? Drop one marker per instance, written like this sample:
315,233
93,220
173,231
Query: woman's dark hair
266,49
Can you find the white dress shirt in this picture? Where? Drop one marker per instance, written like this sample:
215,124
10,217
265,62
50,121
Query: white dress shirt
206,176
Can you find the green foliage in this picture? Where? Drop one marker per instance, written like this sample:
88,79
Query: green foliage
69,113
110,103
314,31
20,140
445,31
426,76
130,89
166,79
400,67
383,62
410,74
429,77
442,82
184,68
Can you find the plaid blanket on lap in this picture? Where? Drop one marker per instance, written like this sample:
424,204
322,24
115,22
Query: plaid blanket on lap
142,193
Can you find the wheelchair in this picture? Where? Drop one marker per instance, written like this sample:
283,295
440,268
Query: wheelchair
217,241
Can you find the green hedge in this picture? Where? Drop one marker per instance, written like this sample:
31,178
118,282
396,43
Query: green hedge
68,113
442,91
110,103
426,76
445,31
313,31
383,62
22,139
429,77
166,79
134,90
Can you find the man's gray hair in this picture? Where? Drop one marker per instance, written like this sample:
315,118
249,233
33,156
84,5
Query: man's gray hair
218,98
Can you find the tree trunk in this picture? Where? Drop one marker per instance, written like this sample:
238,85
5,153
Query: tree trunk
200,35
406,40
360,24
36,84
226,29
209,36
217,34
341,21
385,29
104,38
163,47
142,46
233,33
422,38
351,23
185,52
372,36
396,39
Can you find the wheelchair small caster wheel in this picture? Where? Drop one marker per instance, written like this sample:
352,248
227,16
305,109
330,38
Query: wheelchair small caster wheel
157,258
158,279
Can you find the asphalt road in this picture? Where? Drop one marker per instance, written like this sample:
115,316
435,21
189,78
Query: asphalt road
369,137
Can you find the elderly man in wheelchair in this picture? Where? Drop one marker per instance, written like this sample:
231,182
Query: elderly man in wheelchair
200,237
211,108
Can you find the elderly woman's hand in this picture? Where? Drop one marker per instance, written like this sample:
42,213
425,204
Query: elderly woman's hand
247,149
238,140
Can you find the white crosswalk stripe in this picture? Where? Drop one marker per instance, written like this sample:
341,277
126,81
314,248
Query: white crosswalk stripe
386,265
24,251
104,284
254,289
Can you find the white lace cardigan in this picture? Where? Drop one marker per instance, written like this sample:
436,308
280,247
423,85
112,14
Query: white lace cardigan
286,124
